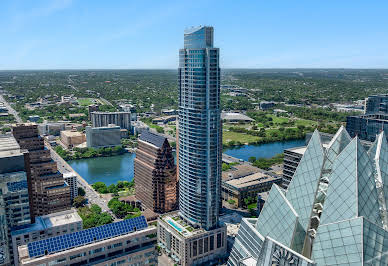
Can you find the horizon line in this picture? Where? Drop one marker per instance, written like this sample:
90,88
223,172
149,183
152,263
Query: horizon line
243,68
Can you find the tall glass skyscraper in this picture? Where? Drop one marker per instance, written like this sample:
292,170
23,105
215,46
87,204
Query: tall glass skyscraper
199,130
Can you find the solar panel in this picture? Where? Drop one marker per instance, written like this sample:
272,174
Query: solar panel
84,237
17,186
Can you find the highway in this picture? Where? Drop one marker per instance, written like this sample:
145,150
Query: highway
11,110
93,196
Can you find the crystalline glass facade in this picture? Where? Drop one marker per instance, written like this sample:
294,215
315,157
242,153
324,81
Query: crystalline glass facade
279,219
338,201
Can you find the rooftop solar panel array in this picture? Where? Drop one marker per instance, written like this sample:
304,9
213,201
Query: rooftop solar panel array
84,237
17,186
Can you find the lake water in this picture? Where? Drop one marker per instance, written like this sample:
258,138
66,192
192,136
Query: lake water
120,168
267,150
105,169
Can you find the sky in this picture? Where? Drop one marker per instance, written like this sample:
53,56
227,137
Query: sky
146,34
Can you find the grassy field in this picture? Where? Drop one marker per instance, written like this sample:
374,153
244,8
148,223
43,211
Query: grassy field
306,123
241,137
85,101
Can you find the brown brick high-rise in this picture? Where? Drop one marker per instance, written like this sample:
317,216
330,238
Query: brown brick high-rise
155,173
47,189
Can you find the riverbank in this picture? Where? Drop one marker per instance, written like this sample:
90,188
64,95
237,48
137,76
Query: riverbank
85,153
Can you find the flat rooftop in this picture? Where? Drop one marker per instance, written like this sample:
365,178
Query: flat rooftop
179,225
49,221
238,171
8,143
70,133
251,180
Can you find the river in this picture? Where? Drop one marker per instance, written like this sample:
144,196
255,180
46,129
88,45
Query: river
119,168
267,150
105,169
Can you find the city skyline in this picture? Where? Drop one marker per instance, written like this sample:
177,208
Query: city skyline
67,34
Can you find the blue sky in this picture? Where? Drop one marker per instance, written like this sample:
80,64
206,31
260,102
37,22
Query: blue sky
46,34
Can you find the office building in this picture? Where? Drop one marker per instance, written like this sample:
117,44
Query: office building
128,242
14,203
376,104
51,128
72,138
237,189
187,245
200,133
333,213
71,181
155,173
366,127
54,224
121,119
48,191
99,137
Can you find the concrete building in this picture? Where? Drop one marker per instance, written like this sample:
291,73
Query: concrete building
128,242
241,188
376,104
92,108
264,105
139,127
333,213
367,127
164,119
55,224
239,170
199,129
72,138
187,245
169,112
48,191
121,119
97,137
71,180
155,177
235,117
291,161
51,128
33,118
14,202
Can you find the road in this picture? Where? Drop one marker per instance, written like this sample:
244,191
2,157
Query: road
93,196
11,110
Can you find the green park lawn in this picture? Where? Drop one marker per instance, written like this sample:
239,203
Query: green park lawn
228,136
85,101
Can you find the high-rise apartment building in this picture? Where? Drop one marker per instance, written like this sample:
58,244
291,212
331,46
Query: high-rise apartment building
121,119
333,213
48,192
200,135
193,235
155,173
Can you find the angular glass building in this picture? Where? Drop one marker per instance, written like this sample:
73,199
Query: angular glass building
199,129
333,213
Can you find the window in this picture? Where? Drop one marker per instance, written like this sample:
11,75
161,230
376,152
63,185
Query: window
211,242
218,240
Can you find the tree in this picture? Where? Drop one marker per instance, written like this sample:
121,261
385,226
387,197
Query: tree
252,159
81,192
79,201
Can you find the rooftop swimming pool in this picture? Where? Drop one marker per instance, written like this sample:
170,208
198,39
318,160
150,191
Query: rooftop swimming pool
175,226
